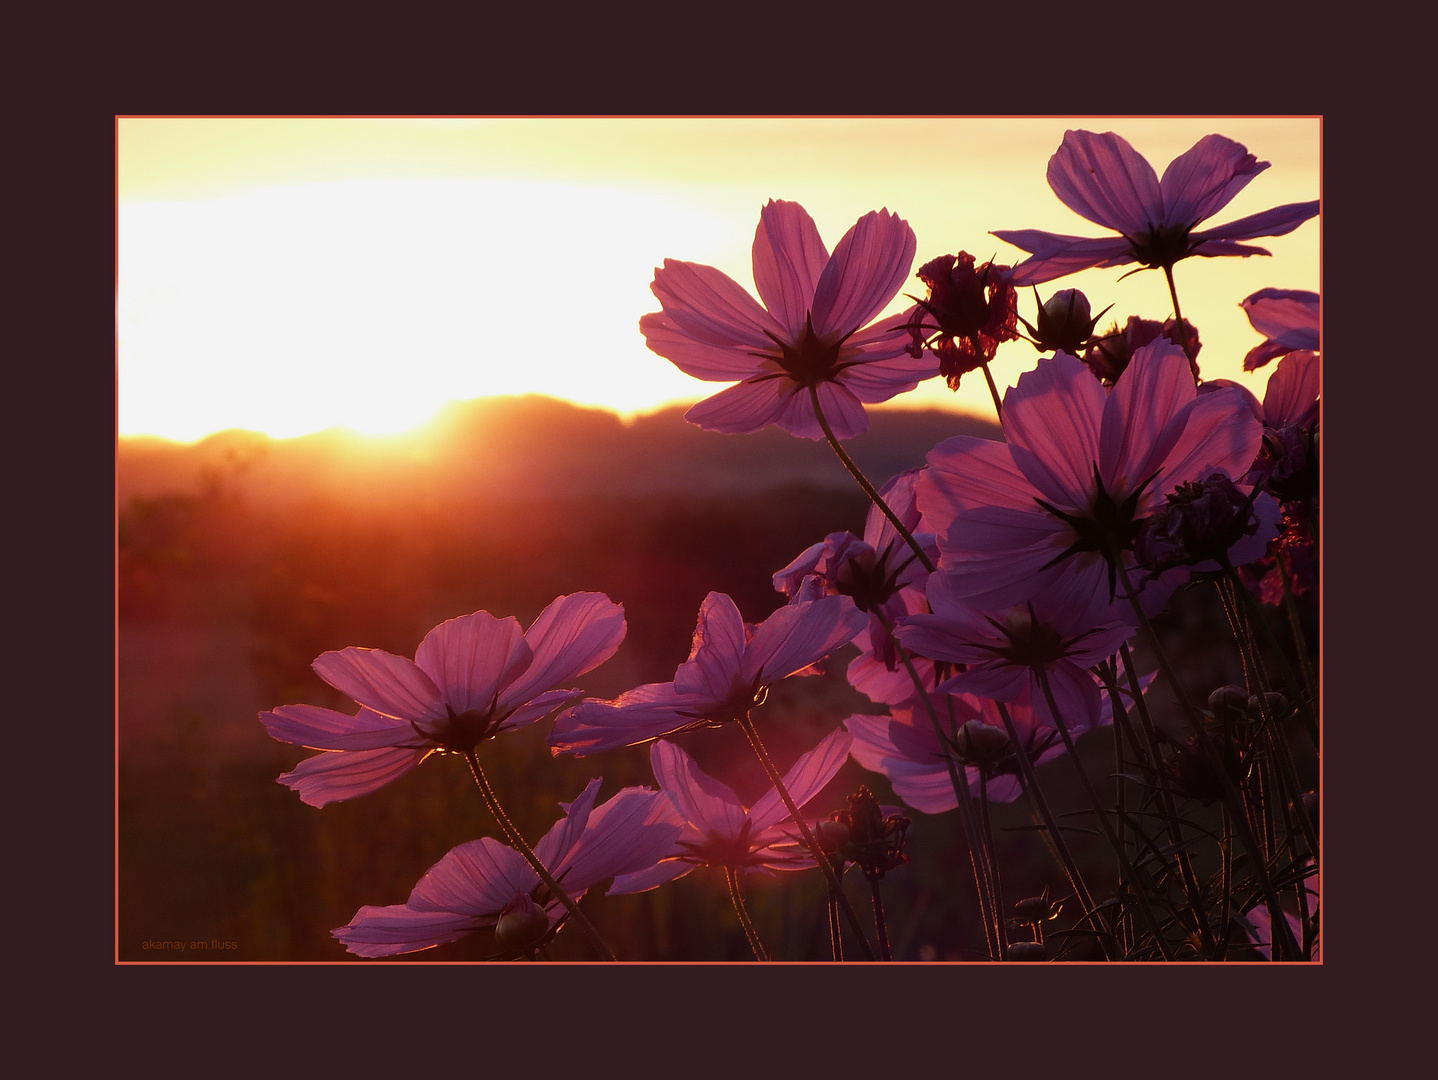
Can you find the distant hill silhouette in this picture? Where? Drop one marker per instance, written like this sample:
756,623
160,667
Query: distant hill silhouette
530,446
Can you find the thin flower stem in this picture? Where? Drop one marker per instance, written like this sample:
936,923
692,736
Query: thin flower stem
517,842
820,856
753,935
1225,910
1230,795
1295,627
869,488
1273,734
1165,793
879,919
1256,617
1140,881
994,393
1031,785
836,934
1182,330
979,858
993,854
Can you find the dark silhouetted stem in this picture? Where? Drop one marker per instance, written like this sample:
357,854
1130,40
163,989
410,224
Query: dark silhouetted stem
1281,931
879,919
1182,330
1140,882
1031,785
959,779
820,856
994,393
863,482
732,876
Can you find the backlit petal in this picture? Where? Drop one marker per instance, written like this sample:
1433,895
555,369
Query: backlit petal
789,257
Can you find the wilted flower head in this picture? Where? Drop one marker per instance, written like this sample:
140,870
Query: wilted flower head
1103,178
1201,522
867,837
968,312
1109,355
807,338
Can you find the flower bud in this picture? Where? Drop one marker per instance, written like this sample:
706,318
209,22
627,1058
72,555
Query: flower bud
1037,909
521,926
1228,698
1065,323
1199,522
982,745
1023,951
832,835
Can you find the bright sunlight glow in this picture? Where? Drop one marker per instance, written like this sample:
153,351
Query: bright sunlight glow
368,303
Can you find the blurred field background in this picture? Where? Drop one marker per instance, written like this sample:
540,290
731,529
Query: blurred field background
242,558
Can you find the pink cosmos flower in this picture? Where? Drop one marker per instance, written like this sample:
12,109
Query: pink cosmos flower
1004,650
809,333
715,827
1055,508
483,884
1288,318
880,573
471,678
730,667
1105,180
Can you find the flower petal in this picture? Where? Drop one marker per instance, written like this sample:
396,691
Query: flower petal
1279,221
638,716
866,271
842,410
1204,179
1138,418
573,635
789,257
386,683
748,407
326,729
704,802
1292,393
1103,178
471,657
474,879
712,307
798,635
345,774
715,363
805,779
1056,255
388,931
1052,420
716,651
1277,313
628,834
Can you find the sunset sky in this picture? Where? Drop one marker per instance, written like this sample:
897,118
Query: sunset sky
291,275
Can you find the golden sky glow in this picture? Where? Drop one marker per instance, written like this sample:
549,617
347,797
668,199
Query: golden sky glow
291,275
